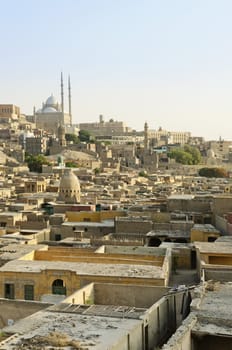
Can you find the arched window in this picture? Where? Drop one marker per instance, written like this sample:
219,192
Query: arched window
58,287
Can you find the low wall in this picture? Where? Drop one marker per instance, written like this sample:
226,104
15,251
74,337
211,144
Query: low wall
13,310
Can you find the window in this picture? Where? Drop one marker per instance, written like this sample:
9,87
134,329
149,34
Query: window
29,292
9,291
57,237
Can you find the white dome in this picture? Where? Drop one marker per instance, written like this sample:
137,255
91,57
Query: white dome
39,111
69,189
49,110
51,101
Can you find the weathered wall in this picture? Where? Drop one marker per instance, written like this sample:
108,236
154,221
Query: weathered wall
96,216
15,310
131,295
132,226
181,340
43,281
85,295
221,224
221,204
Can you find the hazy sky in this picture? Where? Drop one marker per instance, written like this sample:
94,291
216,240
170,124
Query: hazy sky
167,62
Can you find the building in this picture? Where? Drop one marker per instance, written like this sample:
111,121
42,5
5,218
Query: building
9,113
52,113
103,128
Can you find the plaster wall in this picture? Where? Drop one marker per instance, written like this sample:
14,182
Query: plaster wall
127,295
15,310
93,216
133,226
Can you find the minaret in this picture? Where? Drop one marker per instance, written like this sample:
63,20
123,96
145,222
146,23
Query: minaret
69,100
62,93
146,136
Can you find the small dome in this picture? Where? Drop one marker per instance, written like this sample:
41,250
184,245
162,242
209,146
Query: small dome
51,101
69,189
49,110
39,111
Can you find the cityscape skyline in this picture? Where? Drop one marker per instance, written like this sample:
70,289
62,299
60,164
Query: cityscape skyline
168,64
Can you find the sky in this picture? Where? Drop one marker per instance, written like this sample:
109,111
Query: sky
167,62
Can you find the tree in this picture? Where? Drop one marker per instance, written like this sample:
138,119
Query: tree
195,153
96,171
72,137
187,155
85,136
71,164
143,173
35,163
213,172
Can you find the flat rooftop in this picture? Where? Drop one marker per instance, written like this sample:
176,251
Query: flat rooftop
205,228
56,327
170,233
215,311
214,247
135,250
16,251
120,270
107,223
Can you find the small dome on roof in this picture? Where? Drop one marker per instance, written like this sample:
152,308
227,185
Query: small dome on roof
69,189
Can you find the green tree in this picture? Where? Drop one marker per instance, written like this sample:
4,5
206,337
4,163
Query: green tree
187,155
143,173
71,164
213,172
96,171
35,163
72,137
85,136
195,153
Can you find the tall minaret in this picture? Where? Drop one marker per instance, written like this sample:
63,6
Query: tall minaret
69,100
146,136
62,92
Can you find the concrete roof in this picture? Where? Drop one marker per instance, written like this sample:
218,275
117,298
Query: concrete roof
181,196
106,223
137,250
214,247
205,228
16,251
79,330
184,233
120,270
215,311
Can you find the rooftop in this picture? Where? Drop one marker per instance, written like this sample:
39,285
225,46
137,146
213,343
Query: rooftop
69,329
120,270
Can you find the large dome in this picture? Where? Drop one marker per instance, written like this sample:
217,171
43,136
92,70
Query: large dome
49,110
69,190
51,101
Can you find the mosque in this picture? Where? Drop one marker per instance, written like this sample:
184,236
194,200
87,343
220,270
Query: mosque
52,113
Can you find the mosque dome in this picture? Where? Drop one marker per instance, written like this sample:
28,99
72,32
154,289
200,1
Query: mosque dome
49,110
39,111
51,101
69,189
